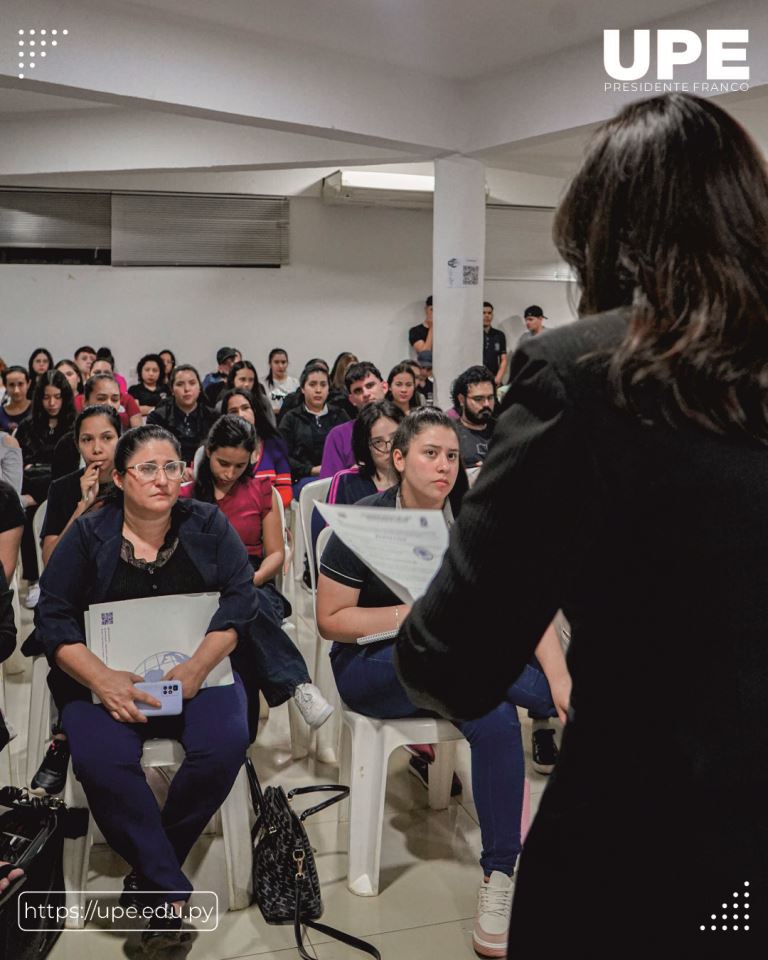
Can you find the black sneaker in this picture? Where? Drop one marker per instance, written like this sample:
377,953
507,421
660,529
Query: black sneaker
133,894
419,768
163,933
52,775
544,750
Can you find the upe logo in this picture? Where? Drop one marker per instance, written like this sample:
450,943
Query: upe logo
678,48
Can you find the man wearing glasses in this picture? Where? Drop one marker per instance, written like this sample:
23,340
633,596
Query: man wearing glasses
474,397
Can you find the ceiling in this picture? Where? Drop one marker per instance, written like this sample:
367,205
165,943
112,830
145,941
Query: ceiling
454,39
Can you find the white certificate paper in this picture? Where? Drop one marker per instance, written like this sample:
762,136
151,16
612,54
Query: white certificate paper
404,548
151,636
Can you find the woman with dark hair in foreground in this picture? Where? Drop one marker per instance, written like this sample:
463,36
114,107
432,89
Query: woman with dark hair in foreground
642,433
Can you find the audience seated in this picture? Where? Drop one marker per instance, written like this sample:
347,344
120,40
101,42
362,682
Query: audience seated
402,387
296,399
11,461
183,413
152,387
101,388
104,365
72,372
248,503
305,429
17,406
104,353
279,384
474,399
243,376
145,543
270,458
84,357
372,435
40,362
53,414
363,384
169,362
424,382
213,383
352,602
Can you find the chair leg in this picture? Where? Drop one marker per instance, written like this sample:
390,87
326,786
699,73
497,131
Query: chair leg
76,858
236,830
39,726
370,755
300,733
441,775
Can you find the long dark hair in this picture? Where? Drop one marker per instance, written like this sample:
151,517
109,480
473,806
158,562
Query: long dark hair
66,416
403,367
273,353
35,353
228,431
264,428
361,432
668,218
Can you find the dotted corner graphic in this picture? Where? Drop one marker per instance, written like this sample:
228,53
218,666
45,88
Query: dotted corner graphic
32,46
740,915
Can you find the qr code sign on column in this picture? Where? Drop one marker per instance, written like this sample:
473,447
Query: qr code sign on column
471,275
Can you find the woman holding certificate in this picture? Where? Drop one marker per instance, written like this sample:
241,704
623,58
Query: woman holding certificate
146,544
352,603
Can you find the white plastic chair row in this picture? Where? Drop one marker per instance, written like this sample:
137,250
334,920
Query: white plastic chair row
235,828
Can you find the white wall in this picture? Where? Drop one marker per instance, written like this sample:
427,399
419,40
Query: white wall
356,281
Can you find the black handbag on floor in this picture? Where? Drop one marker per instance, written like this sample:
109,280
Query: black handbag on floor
32,832
286,886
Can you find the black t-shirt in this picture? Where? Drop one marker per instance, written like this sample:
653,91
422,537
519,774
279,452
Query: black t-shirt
340,564
11,512
473,444
147,398
419,332
494,345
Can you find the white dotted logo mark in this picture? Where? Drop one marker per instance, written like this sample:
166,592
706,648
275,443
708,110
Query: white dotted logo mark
735,916
28,59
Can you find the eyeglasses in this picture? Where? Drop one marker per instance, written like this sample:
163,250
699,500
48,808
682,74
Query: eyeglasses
173,470
381,444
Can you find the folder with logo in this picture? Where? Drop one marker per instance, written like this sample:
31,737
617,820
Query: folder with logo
151,636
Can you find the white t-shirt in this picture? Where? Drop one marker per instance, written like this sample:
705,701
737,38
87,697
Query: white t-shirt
279,390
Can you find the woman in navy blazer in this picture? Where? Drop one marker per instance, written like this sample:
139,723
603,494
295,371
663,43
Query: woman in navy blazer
627,484
147,544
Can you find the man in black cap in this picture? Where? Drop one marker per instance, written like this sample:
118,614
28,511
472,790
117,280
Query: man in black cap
214,382
534,320
420,336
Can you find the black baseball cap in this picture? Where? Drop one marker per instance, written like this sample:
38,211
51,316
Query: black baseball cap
534,311
225,353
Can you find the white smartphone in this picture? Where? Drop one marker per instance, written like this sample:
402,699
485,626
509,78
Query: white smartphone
168,692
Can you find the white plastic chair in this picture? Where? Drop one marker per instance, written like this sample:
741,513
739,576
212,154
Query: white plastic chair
328,736
37,526
235,828
365,753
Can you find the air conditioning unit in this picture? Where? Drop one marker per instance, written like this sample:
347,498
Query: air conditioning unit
371,189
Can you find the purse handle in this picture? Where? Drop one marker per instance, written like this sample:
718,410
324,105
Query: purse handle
339,935
342,791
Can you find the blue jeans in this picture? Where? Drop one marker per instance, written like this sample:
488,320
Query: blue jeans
106,758
368,684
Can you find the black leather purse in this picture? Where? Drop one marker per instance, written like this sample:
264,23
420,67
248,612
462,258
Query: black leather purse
286,886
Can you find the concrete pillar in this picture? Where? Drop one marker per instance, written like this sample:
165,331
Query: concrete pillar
458,269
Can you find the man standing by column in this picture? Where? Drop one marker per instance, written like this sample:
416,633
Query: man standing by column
494,346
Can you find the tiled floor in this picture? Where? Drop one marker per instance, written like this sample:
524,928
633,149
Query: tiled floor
429,874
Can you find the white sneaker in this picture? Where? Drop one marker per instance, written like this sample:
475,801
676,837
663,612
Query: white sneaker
312,704
494,906
33,595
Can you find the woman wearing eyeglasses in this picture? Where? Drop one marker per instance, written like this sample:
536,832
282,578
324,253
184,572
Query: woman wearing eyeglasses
146,543
372,437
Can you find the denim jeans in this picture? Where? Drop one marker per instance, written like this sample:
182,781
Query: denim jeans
106,758
368,684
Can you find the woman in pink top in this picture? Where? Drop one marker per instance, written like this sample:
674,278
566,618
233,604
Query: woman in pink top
249,503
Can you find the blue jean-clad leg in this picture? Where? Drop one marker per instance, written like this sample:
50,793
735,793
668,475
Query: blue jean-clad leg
368,683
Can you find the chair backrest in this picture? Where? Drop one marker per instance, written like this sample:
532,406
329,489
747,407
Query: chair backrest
37,526
322,543
277,504
197,460
310,495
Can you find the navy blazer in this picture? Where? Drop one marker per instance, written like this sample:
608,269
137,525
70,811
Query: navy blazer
82,567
